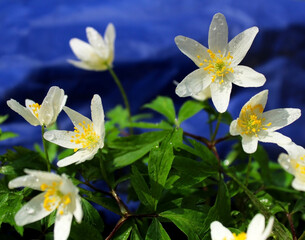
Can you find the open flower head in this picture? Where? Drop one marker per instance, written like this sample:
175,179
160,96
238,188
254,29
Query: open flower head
256,230
44,114
253,124
87,137
96,55
58,193
294,163
219,65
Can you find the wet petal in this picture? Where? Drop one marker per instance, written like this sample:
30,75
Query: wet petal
285,161
246,77
78,157
62,226
234,128
221,95
273,137
62,138
249,144
78,212
218,33
76,117
260,98
97,113
203,95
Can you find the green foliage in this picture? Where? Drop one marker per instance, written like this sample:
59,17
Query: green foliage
5,135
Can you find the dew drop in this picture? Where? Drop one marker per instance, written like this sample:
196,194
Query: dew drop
214,28
29,210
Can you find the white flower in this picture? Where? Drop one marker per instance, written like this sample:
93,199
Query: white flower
203,95
58,193
87,138
255,125
218,65
256,230
294,163
44,114
98,54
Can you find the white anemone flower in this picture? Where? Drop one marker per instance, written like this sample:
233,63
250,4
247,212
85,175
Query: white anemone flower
294,163
256,230
98,54
44,114
255,125
203,95
58,192
219,65
86,139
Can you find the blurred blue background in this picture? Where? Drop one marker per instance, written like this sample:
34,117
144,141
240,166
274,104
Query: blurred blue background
34,47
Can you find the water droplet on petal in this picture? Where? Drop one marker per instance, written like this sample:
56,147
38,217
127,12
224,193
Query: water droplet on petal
29,210
214,28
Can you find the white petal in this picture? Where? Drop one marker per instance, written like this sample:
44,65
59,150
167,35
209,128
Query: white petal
78,157
281,117
97,114
32,211
221,95
62,226
240,45
82,50
298,185
246,77
285,161
191,48
81,65
76,117
256,227
62,138
78,212
23,111
249,144
203,95
260,98
273,137
219,232
294,150
193,83
110,35
234,128
218,33
268,229
95,39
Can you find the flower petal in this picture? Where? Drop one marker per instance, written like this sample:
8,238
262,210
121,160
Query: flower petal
97,114
81,65
23,111
298,185
191,48
246,77
273,137
78,157
285,161
95,39
78,212
260,98
268,229
76,117
281,117
249,144
62,226
82,50
218,33
294,150
193,83
110,35
32,211
234,128
221,95
256,227
62,138
203,95
219,232
240,45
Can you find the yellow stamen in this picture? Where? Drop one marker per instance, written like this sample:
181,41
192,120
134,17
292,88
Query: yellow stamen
35,108
240,236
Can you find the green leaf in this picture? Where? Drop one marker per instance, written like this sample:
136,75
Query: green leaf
221,209
187,220
3,118
160,162
164,106
7,135
91,216
262,158
105,202
140,186
189,109
124,231
84,230
162,125
156,231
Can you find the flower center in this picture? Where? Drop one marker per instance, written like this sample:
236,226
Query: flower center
86,136
35,108
240,236
218,66
251,121
54,197
299,168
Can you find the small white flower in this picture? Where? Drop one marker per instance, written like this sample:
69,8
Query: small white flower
87,138
255,125
98,54
218,65
44,114
58,193
256,230
203,95
294,163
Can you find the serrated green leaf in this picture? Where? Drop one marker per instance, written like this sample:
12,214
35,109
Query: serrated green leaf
124,231
156,231
189,109
105,202
164,106
91,216
84,230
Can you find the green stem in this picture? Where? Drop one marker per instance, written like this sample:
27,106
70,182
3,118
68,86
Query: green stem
45,148
248,169
217,127
123,93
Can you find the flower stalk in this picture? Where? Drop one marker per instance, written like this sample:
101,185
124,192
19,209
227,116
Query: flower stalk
44,142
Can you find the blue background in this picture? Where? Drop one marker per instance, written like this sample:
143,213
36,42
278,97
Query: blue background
34,47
